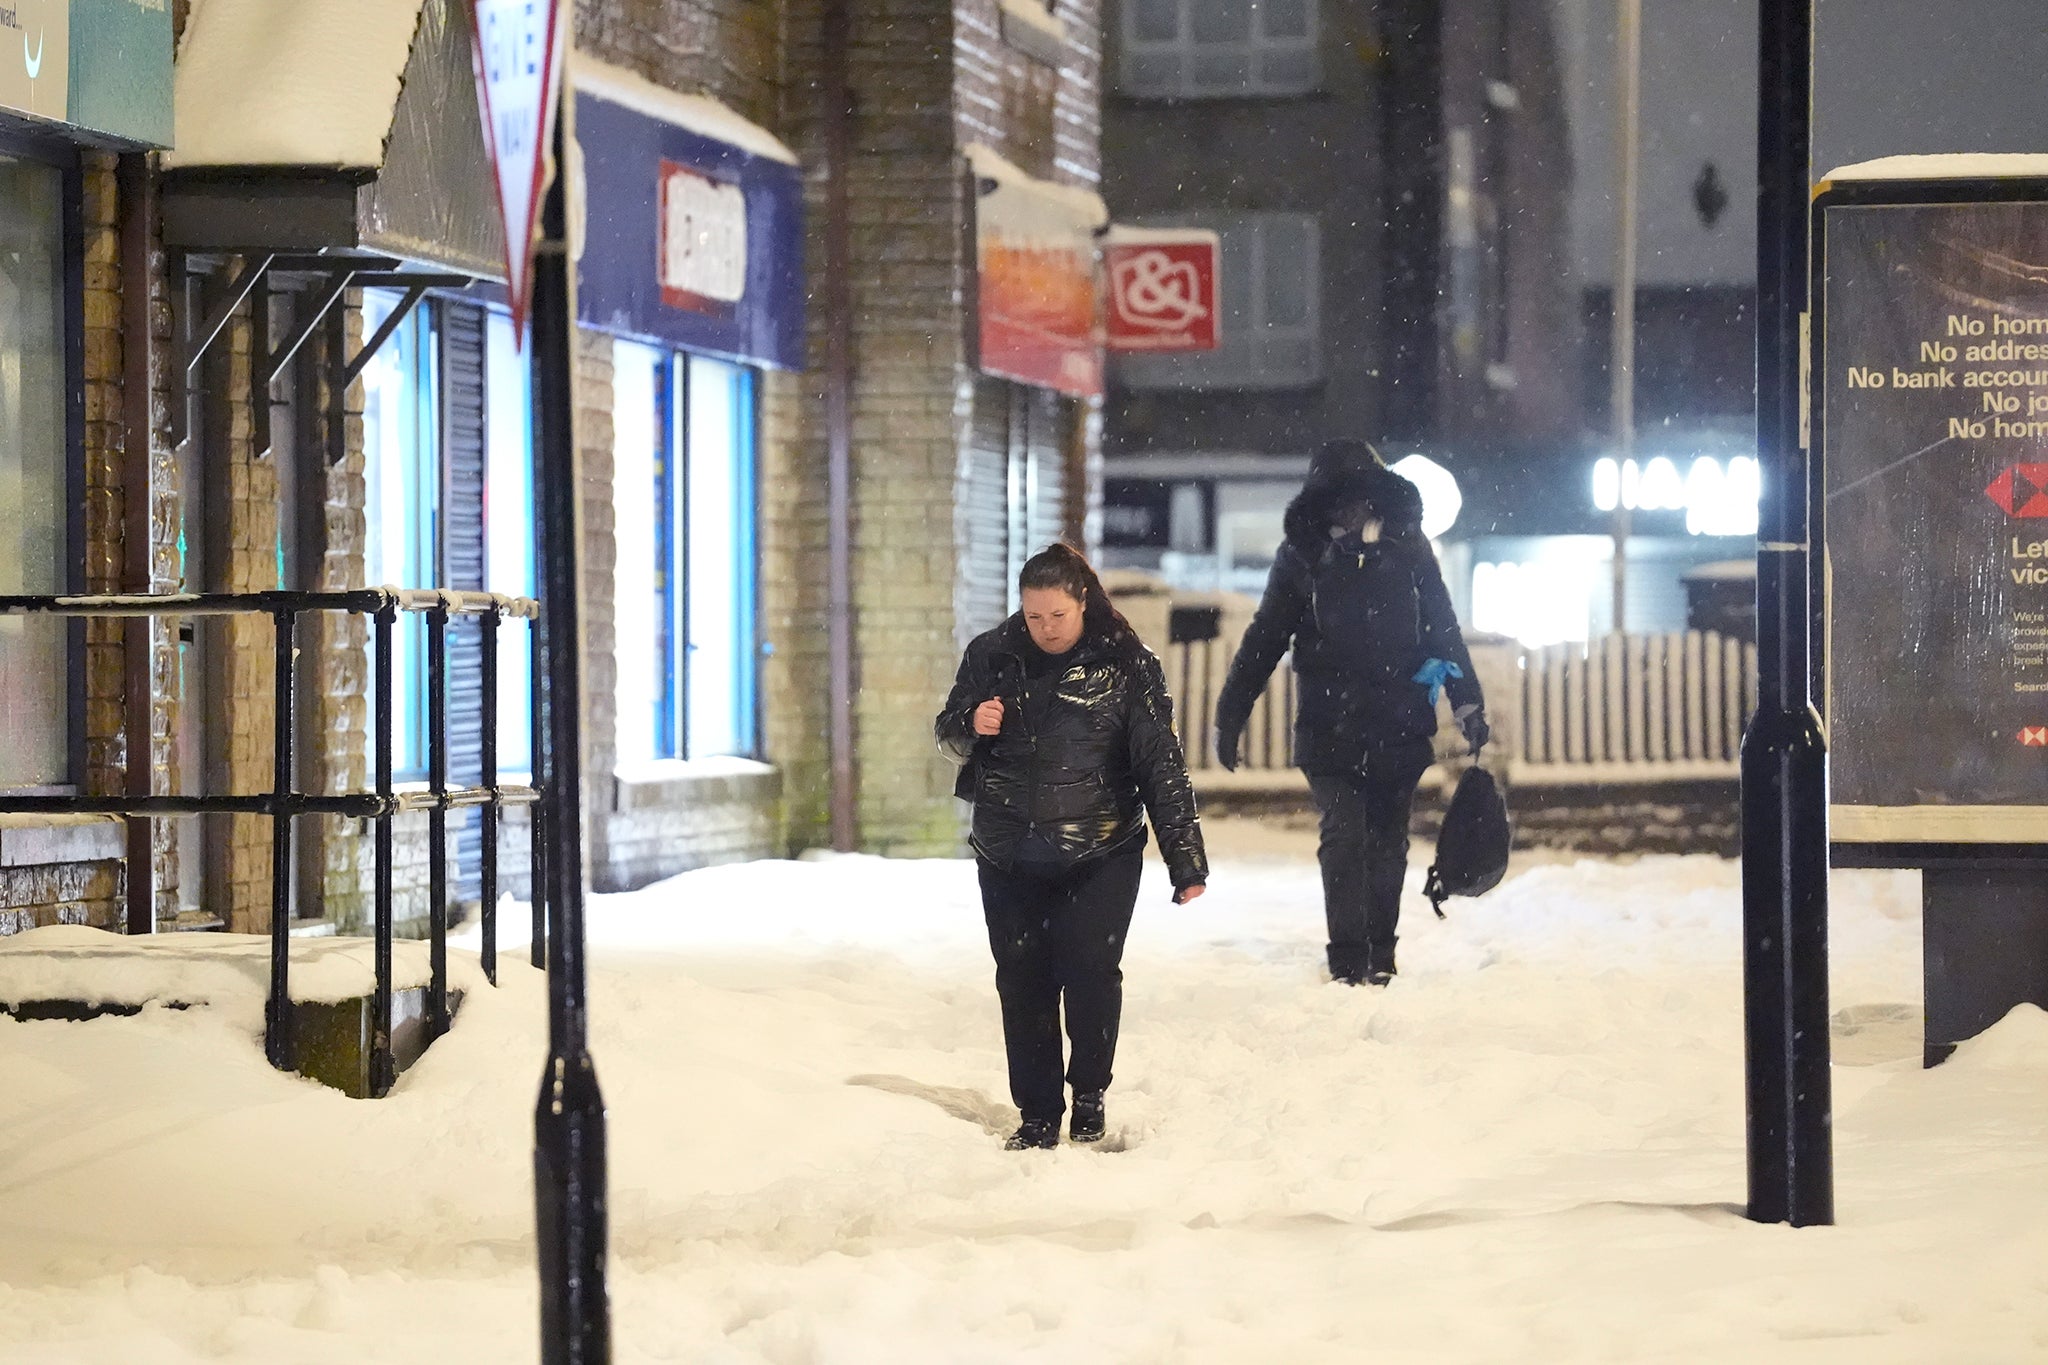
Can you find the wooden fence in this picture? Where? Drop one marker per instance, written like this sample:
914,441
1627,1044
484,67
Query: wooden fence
1635,707
1627,708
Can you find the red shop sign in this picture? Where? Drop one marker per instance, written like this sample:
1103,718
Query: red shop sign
1162,289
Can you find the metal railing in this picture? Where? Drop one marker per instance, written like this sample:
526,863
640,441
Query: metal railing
283,802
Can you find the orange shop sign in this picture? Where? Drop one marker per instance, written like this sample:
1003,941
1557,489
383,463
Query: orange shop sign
1037,318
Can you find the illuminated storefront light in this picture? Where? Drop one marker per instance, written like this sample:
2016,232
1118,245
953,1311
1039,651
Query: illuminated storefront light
1545,600
1717,499
1441,498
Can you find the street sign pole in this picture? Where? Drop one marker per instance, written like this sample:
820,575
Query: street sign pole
520,59
569,1128
1784,752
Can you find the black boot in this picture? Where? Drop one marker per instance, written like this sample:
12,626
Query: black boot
1086,1125
1348,963
1379,962
1034,1133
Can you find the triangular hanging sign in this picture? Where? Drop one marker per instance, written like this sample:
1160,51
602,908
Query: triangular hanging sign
518,61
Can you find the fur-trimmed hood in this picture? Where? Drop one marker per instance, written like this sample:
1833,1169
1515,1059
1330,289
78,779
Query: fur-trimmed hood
1344,471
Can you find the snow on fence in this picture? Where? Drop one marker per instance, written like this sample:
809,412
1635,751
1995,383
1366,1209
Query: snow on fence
1627,708
1194,672
1635,708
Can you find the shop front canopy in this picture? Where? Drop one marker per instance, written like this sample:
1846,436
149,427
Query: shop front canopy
331,126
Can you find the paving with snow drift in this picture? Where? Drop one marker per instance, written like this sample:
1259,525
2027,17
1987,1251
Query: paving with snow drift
1529,1148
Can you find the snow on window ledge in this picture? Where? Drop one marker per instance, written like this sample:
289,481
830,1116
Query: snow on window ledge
1033,30
670,782
37,840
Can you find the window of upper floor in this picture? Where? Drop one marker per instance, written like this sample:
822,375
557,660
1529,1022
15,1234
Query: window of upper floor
1217,49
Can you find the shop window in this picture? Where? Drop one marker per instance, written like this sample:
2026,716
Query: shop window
401,469
1217,49
1271,297
35,544
683,451
508,530
1545,600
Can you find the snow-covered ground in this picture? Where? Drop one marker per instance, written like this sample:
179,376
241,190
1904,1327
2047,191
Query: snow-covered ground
1528,1149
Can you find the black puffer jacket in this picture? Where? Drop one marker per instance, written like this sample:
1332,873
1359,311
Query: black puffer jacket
1085,750
1355,695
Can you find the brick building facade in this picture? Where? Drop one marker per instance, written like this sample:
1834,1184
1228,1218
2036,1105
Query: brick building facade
928,79
216,507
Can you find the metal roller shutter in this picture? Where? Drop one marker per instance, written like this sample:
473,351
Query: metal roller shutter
462,563
1043,448
982,597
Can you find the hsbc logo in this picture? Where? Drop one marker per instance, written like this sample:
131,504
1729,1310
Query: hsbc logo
2021,491
2034,736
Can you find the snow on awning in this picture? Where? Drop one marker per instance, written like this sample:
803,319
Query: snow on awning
1066,200
1947,166
309,83
1126,234
332,125
699,114
1040,317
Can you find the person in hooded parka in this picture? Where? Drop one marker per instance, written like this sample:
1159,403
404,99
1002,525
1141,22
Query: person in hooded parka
1356,593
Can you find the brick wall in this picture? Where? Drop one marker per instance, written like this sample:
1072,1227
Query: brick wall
907,422
334,708
599,602
166,574
249,666
1044,119
792,546
728,49
927,76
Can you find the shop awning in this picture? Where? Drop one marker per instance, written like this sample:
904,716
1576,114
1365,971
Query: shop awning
324,125
693,221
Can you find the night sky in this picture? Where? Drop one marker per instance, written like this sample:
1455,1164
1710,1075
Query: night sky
1896,76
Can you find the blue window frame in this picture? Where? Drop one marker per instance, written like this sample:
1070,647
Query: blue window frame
508,529
402,476
688,677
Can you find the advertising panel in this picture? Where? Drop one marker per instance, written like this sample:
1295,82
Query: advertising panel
121,69
1933,428
35,58
1039,319
1162,289
692,240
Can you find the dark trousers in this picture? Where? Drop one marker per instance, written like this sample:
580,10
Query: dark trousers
1060,933
1364,847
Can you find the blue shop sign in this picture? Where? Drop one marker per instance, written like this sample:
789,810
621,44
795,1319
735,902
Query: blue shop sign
690,240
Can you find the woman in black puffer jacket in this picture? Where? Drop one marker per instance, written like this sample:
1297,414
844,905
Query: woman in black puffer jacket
1062,723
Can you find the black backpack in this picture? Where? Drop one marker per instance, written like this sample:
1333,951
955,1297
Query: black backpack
1472,851
1362,599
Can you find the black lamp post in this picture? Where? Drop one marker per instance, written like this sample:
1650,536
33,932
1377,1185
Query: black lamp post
1784,754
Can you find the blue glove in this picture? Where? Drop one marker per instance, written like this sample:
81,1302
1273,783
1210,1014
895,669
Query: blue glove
1434,673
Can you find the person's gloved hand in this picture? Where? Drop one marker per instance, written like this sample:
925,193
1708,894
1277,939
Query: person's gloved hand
1472,721
1434,673
1226,748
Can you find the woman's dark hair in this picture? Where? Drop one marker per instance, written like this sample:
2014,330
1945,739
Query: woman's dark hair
1062,566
